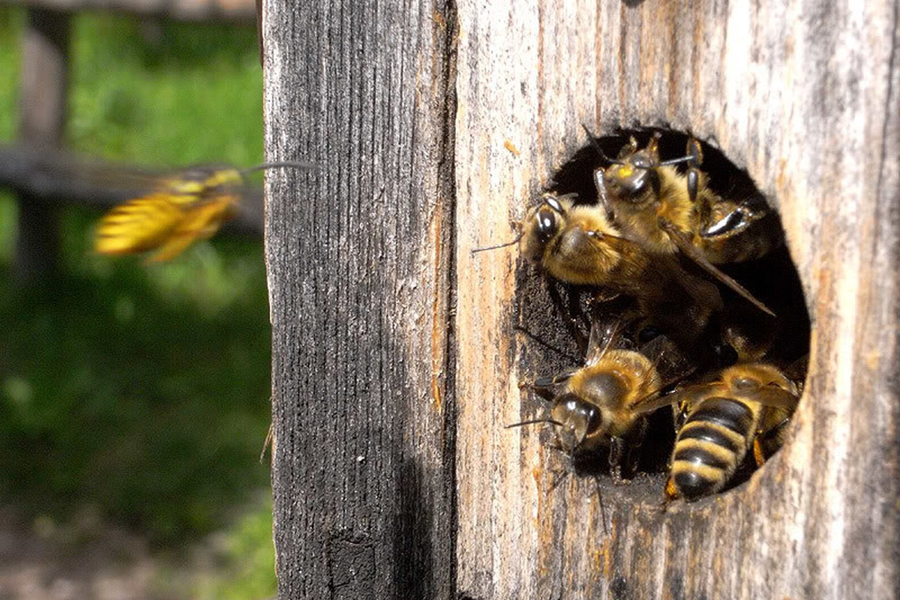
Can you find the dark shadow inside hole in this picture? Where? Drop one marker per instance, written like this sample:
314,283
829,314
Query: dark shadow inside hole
773,279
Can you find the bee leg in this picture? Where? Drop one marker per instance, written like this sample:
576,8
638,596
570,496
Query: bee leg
600,502
545,386
559,474
761,451
570,320
680,412
616,454
558,477
632,451
694,158
670,494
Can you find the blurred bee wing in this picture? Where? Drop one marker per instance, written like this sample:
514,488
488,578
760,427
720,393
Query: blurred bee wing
691,251
774,396
199,222
138,225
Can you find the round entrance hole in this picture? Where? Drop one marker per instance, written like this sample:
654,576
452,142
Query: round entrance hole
555,319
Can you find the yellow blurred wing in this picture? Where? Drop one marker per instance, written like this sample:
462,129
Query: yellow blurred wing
199,223
138,225
185,208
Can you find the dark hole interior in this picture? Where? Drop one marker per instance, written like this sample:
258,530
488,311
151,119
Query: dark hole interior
554,318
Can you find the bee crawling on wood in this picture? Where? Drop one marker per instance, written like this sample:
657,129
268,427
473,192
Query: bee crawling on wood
603,404
188,206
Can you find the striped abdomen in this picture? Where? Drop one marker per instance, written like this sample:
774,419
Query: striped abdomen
711,445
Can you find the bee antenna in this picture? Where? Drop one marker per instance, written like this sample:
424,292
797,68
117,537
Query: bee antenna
600,502
675,161
292,164
532,422
597,147
512,243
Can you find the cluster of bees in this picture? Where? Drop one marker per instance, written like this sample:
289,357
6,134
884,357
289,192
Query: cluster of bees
668,326
693,303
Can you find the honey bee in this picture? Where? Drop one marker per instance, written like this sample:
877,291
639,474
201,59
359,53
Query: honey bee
668,212
603,405
749,405
189,206
578,244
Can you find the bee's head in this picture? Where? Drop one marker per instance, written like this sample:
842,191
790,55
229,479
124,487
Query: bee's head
543,226
632,175
631,180
576,420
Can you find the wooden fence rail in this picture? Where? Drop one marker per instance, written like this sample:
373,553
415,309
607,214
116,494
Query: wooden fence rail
43,102
58,178
243,11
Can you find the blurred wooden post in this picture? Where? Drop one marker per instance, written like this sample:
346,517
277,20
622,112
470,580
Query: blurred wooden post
804,95
44,95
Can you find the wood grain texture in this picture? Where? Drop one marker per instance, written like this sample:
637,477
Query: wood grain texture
359,260
804,95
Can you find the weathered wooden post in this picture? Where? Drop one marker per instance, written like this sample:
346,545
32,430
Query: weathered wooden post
375,377
360,256
44,90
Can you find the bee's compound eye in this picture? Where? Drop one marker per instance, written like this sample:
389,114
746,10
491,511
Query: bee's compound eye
594,418
577,419
547,225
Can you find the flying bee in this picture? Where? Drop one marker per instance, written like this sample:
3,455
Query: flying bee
668,212
183,208
603,405
748,406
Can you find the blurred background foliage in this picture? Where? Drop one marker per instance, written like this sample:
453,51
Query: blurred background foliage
141,393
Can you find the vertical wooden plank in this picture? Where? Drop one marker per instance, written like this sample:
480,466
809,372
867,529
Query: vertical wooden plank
804,96
359,256
42,111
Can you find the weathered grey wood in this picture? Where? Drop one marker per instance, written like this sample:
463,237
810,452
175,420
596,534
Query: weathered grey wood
184,10
805,96
359,260
44,90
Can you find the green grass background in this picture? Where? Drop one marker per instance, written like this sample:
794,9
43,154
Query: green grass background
142,392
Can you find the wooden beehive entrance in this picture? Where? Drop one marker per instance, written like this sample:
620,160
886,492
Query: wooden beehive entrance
554,320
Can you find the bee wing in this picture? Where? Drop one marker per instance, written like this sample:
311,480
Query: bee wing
654,401
603,334
693,394
704,292
691,251
138,225
774,396
199,222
